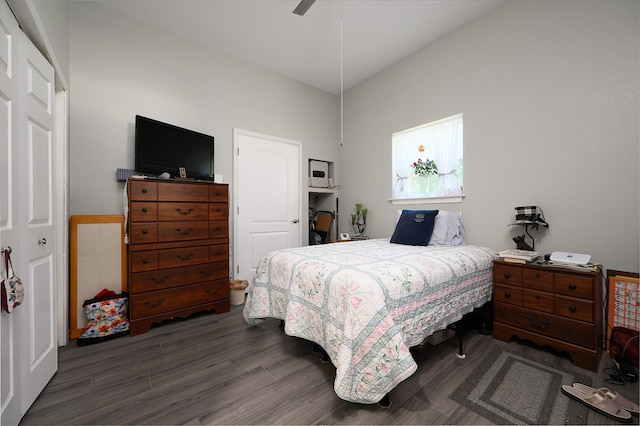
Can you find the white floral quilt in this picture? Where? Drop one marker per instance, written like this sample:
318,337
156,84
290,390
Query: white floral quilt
367,302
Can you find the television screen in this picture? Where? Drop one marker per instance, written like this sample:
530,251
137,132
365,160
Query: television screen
162,147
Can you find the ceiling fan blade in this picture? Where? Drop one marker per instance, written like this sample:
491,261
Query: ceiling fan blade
303,6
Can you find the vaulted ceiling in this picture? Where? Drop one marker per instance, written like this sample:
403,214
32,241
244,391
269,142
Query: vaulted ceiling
368,35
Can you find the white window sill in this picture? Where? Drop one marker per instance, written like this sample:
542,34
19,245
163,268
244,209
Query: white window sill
428,200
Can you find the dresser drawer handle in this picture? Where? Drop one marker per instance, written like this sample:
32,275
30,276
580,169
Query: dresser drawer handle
184,212
219,228
538,276
187,232
154,305
208,273
187,257
213,293
144,210
573,308
145,261
160,280
144,190
572,286
507,294
218,193
537,297
220,253
507,275
538,325
144,231
219,209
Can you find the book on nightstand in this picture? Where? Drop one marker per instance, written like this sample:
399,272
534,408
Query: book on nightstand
518,256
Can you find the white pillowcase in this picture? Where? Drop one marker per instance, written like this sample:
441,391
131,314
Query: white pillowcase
448,229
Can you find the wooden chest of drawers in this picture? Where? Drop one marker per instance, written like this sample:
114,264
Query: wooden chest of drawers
556,307
178,250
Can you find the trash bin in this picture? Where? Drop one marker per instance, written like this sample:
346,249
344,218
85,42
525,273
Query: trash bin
236,291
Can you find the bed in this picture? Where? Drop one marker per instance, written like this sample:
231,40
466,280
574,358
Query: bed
367,302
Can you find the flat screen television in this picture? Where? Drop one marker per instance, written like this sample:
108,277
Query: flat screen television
162,147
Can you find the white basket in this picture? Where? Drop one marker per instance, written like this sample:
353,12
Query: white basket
236,297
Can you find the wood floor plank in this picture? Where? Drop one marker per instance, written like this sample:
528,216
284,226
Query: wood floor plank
214,369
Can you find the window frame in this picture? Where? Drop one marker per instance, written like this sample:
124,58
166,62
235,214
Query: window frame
425,136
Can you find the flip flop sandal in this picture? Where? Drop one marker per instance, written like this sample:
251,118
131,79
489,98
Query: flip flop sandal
613,395
599,402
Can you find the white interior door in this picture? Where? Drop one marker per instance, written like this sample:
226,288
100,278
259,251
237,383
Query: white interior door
40,356
28,339
10,222
267,198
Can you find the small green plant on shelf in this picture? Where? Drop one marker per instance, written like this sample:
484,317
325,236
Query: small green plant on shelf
359,220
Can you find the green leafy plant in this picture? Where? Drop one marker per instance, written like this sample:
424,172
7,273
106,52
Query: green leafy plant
359,220
423,168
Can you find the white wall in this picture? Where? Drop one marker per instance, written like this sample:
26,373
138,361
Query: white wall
549,92
121,67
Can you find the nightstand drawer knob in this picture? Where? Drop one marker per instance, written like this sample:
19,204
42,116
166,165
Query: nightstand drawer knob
573,308
538,276
144,190
507,294
144,231
144,210
507,275
572,286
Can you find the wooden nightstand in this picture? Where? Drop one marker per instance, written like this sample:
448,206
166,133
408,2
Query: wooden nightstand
552,306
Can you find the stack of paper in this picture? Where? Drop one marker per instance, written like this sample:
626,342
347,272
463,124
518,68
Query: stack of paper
518,256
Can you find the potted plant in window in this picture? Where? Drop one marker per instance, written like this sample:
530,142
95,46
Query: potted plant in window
422,169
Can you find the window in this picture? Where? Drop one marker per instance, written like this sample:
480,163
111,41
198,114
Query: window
414,153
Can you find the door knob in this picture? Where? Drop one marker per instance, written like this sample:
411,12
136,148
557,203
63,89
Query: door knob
42,241
295,221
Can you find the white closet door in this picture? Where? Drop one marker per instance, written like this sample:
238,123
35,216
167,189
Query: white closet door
29,355
39,349
10,222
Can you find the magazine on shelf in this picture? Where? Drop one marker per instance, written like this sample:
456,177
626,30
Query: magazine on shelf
518,256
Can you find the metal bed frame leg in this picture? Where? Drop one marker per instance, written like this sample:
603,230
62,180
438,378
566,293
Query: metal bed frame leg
461,354
385,402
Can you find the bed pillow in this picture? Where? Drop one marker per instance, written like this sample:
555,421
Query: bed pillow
414,227
448,229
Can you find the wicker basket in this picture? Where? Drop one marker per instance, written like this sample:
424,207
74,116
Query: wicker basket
236,291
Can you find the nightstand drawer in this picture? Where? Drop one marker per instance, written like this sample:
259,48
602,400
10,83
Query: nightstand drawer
537,279
507,274
574,285
561,328
538,300
507,294
570,307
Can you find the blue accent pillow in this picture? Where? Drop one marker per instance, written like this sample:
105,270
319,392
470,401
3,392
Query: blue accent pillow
414,227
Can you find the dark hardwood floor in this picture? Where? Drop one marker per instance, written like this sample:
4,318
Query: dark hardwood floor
214,369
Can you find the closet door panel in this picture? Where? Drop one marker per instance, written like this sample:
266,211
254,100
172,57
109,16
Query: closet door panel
37,261
10,352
